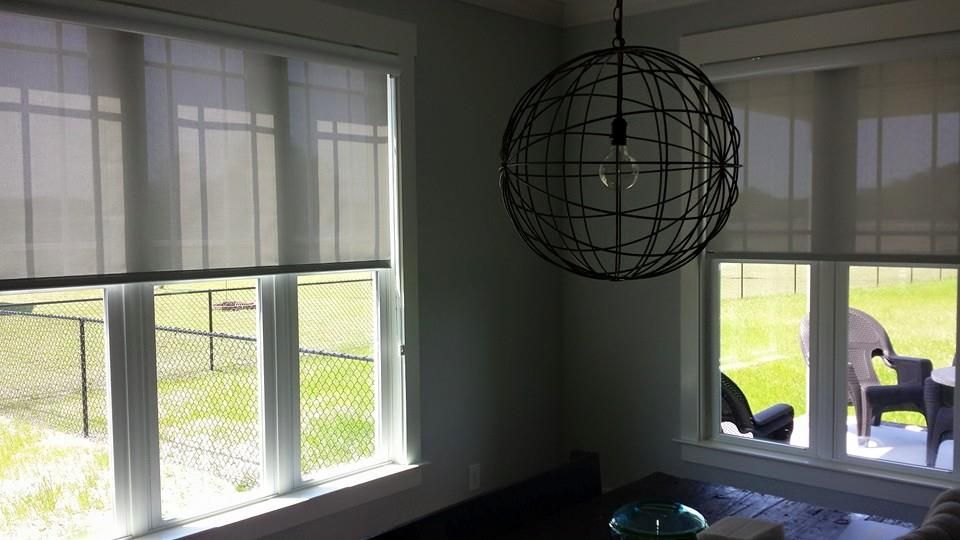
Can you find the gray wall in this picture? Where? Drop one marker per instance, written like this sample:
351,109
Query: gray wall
621,341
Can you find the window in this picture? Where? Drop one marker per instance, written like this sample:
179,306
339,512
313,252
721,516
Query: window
231,214
831,296
760,309
899,320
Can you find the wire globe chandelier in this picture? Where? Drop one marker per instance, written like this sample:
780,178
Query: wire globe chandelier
620,164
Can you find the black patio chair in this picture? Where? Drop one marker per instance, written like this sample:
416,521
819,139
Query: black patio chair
774,423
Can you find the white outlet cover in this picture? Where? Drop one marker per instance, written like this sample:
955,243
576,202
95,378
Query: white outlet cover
473,477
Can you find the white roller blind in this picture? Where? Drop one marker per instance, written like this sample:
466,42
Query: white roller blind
123,153
849,162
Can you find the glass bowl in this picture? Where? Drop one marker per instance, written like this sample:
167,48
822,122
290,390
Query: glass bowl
656,519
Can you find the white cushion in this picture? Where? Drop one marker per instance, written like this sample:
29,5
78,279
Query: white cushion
735,528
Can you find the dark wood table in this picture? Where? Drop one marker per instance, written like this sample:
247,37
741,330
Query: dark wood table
588,520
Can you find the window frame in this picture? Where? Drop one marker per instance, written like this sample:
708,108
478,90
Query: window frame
136,436
279,392
130,356
711,320
128,300
827,406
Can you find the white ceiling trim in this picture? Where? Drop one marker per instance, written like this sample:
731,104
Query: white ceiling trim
872,24
567,13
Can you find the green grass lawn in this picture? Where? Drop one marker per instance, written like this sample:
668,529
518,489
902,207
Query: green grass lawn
208,420
46,474
760,347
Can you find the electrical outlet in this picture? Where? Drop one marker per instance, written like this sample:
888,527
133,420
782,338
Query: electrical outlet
473,477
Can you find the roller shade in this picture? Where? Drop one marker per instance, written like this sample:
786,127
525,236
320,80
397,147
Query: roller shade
128,154
850,162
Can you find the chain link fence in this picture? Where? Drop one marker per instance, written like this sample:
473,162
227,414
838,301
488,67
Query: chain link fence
748,280
52,370
337,400
53,374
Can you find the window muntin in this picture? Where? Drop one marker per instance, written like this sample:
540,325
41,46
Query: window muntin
55,452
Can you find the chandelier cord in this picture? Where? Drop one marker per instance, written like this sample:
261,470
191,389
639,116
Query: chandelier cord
618,128
618,41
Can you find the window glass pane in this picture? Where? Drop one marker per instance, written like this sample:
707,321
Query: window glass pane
763,364
54,438
902,323
207,395
337,370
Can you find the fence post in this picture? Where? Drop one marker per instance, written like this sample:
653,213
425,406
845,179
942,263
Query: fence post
210,324
741,280
83,378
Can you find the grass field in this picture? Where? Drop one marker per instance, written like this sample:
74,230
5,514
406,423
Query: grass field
760,347
208,420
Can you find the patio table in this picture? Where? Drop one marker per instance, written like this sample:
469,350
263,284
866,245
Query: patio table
946,376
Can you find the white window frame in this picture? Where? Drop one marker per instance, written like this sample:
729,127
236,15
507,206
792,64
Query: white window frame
815,465
828,299
130,354
128,308
279,395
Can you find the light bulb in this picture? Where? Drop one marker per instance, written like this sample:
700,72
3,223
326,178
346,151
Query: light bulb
619,170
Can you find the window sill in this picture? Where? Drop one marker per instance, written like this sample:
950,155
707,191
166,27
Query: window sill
312,502
846,477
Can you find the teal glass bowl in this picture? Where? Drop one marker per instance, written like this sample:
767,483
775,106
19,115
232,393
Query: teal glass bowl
655,520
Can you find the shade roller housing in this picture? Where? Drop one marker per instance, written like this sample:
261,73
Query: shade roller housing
850,162
128,154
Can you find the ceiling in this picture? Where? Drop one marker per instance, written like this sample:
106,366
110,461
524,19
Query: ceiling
567,13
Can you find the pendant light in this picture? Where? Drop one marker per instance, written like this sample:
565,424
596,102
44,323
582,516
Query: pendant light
620,164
